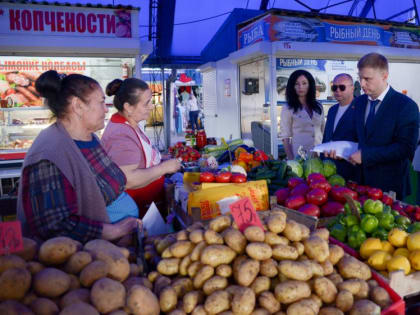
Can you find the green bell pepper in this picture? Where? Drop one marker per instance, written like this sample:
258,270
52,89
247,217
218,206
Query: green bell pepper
401,226
373,207
395,213
369,223
380,233
347,208
402,220
414,227
387,209
386,220
350,220
356,239
339,232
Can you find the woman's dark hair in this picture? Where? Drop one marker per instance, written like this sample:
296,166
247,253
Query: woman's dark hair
58,89
292,97
126,91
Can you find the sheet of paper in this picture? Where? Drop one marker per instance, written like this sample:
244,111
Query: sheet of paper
342,148
153,222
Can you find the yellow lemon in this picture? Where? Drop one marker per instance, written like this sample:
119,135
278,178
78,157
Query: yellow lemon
399,263
386,246
415,259
379,259
397,237
413,241
369,246
402,251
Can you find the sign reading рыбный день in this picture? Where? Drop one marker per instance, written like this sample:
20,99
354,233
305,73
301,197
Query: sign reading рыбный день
67,21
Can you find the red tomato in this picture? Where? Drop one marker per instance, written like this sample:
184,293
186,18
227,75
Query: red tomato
417,216
332,208
408,208
206,177
374,193
352,185
317,196
337,193
315,176
387,200
238,178
321,183
300,189
310,209
282,194
362,190
294,181
223,177
295,202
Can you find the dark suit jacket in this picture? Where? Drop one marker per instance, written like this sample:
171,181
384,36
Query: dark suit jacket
345,131
389,147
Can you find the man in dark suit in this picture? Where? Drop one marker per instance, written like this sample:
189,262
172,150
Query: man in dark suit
387,129
340,125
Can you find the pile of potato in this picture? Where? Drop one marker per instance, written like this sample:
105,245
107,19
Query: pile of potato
282,270
62,276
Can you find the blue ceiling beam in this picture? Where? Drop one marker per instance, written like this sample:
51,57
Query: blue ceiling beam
368,5
263,5
165,27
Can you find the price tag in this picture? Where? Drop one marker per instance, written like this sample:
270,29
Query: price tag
244,214
10,237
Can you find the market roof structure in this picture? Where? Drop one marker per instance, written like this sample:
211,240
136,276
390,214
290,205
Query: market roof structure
181,29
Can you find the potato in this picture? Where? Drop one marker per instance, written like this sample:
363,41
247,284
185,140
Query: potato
181,248
325,289
11,261
213,284
77,262
212,237
195,226
344,300
132,281
293,231
316,248
118,312
74,282
165,243
327,267
254,233
160,283
107,295
44,306
246,272
351,285
193,268
191,300
330,310
203,274
182,286
14,283
260,284
74,296
350,267
336,253
238,261
224,271
30,249
232,289
291,291
276,222
305,231
243,301
260,311
215,255
14,308
196,236
299,247
281,252
78,309
168,266
118,265
34,267
322,233
29,298
315,267
124,251
363,307
51,282
259,250
152,276
235,240
135,270
167,253
183,265
182,235
57,250
335,278
268,301
199,310
196,252
364,290
167,299
217,302
381,297
177,312
295,270
269,268
220,223
274,239
92,272
303,307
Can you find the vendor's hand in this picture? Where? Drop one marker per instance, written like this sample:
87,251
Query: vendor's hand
171,166
123,227
356,158
332,155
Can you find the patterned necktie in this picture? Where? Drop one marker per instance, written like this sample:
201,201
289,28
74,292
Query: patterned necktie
371,116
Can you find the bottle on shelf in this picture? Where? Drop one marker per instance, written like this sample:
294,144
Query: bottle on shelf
201,139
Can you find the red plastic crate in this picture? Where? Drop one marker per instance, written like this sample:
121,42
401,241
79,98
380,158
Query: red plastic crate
346,248
12,156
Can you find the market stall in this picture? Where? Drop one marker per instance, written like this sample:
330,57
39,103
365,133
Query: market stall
271,46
